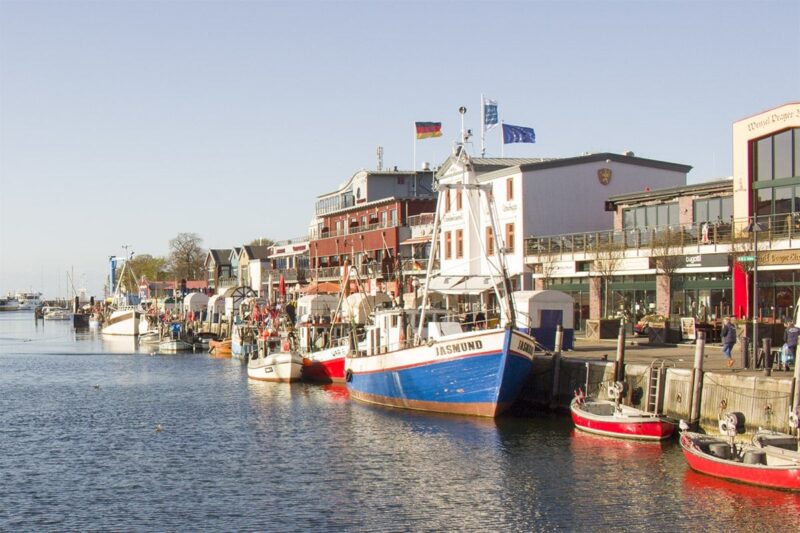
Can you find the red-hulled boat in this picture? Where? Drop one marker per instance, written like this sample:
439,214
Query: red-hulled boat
613,419
724,458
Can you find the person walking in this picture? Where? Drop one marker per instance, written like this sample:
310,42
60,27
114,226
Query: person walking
790,337
728,335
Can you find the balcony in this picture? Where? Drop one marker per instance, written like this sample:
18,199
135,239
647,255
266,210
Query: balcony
327,234
783,229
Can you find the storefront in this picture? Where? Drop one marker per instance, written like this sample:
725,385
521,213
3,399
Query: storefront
578,288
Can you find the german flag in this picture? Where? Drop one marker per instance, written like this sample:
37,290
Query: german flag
426,130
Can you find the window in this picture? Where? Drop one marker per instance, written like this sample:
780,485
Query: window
383,218
447,253
363,220
510,238
446,193
338,226
489,241
782,155
393,217
764,159
510,189
458,200
459,244
713,210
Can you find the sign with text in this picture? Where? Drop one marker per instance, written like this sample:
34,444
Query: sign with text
687,328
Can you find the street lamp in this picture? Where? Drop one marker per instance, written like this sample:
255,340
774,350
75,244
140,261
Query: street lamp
754,227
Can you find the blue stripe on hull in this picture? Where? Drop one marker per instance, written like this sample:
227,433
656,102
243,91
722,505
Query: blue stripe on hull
492,379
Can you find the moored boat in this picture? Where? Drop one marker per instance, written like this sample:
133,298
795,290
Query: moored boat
746,463
781,445
28,301
614,419
9,304
476,373
275,360
243,341
220,348
174,346
57,313
122,322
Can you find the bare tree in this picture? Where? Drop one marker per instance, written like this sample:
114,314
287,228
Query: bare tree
608,256
186,255
666,253
547,268
261,241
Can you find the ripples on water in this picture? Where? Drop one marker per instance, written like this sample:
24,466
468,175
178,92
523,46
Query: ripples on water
233,454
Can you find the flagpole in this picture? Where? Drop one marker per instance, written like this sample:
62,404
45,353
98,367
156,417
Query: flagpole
483,128
414,149
502,141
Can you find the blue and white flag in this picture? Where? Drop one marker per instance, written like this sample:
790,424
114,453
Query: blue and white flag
489,113
518,134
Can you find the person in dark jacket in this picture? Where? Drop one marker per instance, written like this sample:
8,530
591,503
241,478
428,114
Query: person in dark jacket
728,335
790,337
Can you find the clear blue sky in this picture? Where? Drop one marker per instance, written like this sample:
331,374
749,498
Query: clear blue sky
128,122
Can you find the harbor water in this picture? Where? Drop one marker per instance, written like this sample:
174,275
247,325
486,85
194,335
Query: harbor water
98,434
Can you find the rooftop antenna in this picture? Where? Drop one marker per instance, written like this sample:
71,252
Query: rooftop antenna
380,158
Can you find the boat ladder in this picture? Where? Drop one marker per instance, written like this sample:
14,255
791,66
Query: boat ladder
655,385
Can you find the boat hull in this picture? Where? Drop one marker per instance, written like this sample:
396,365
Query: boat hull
477,373
326,366
221,349
643,427
776,477
281,367
122,323
174,346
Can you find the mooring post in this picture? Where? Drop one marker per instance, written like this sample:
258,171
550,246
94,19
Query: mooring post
796,384
697,378
766,347
743,349
556,367
559,339
619,370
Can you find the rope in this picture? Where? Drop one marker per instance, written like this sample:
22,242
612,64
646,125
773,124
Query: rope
737,393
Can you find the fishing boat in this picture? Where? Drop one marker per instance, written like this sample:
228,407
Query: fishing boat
721,456
9,304
275,360
28,301
421,358
614,419
243,341
124,321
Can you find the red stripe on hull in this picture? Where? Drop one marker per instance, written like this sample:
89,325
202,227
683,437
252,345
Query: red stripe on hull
471,409
330,371
772,477
646,430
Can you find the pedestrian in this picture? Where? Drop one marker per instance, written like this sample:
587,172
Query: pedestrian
790,336
728,335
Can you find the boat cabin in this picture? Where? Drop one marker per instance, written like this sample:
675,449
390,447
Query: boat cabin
394,329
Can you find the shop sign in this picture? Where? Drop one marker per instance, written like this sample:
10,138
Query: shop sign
687,328
779,257
699,261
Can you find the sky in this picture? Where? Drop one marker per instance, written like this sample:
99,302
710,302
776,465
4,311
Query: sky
125,123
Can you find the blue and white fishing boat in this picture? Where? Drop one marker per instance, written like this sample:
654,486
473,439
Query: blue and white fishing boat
450,371
420,359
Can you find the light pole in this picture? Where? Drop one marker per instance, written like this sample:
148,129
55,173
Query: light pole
754,227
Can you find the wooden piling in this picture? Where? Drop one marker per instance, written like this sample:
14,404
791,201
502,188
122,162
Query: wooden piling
559,342
619,367
796,384
697,378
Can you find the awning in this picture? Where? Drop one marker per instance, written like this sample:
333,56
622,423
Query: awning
325,287
461,284
416,240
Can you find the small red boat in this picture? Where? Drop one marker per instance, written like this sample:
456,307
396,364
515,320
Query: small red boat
613,419
747,463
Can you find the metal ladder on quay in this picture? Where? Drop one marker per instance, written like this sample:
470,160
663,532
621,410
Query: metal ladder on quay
655,385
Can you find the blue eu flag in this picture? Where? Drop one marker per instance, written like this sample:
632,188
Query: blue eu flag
518,134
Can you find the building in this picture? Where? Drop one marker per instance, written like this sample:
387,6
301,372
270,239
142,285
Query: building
218,269
253,264
287,258
532,197
668,253
766,177
365,222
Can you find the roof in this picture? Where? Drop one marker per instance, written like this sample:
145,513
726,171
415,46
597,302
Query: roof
388,173
707,187
220,255
483,166
256,251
